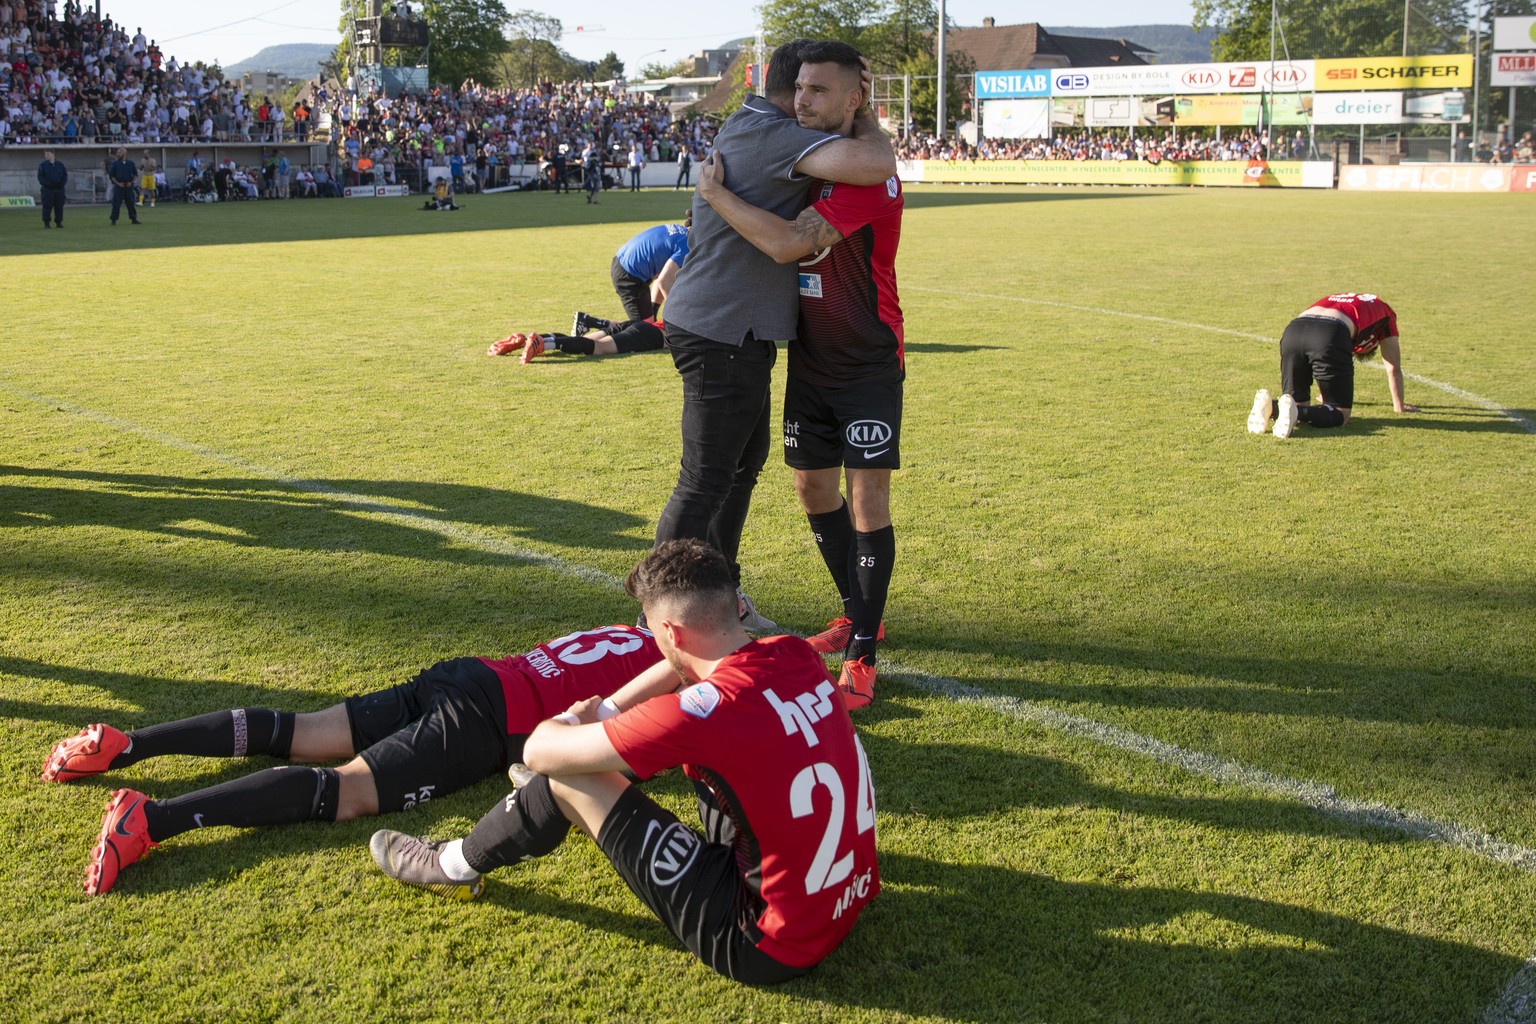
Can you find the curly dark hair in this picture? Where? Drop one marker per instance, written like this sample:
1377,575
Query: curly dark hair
689,573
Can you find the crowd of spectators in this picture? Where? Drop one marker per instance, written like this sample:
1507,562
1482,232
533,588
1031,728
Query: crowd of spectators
1153,145
476,129
67,77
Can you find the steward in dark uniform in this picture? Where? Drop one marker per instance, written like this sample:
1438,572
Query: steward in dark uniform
124,175
51,178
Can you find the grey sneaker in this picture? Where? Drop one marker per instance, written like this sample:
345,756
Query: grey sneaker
520,774
1258,419
414,862
1286,417
751,619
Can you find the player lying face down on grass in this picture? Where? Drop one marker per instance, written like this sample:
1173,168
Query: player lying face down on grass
590,336
785,859
1323,344
452,725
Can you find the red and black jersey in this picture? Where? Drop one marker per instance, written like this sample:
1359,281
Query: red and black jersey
850,315
1373,319
768,734
557,674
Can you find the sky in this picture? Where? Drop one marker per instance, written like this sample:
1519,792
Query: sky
640,33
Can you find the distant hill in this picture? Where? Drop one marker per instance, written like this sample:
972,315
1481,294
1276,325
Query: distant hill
296,60
1175,44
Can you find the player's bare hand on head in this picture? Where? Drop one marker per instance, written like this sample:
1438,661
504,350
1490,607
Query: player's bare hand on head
711,176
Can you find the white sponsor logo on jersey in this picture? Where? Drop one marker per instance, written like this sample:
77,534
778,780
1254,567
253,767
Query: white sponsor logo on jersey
700,699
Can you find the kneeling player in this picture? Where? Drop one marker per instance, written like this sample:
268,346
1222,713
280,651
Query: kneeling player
786,861
454,724
590,336
1323,344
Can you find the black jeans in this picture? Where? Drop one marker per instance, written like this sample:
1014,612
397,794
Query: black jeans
726,428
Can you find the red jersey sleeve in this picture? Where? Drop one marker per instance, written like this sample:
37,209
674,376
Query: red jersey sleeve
849,207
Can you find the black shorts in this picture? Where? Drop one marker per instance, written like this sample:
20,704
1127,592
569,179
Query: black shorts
691,884
1318,348
634,294
442,731
858,426
639,336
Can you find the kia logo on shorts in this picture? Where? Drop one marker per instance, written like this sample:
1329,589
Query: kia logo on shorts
868,433
674,853
1071,83
1202,77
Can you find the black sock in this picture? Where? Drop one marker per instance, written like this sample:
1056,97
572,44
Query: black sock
609,327
233,733
528,823
277,796
1320,416
874,558
571,343
833,532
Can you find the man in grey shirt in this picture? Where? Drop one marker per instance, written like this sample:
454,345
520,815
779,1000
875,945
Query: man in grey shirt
732,303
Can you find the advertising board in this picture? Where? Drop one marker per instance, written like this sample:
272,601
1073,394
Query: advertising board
992,85
1357,108
1514,69
1426,178
1514,33
1355,74
1217,173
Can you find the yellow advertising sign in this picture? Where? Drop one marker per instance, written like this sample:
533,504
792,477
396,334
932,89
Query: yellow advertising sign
1357,74
1207,110
1121,172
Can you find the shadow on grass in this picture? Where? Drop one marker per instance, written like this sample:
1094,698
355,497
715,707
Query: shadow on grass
300,220
949,782
162,699
1313,688
939,195
248,223
979,942
939,348
1366,421
256,512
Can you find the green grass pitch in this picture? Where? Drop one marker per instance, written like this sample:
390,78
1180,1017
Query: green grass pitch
1154,689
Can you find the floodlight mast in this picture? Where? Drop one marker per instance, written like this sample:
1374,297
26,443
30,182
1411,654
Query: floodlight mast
943,51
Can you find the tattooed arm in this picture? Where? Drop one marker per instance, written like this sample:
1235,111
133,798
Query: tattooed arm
784,240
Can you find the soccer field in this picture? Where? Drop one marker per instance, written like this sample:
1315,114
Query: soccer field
1175,723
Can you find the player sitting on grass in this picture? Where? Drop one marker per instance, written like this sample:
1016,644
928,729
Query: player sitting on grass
451,726
590,336
786,860
442,197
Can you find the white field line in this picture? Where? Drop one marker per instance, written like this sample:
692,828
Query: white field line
455,532
1515,1005
1313,794
1528,425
